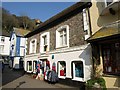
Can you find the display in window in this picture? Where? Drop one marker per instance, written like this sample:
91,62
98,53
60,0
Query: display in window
78,70
62,68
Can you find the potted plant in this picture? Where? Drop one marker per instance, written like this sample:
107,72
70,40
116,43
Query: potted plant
96,80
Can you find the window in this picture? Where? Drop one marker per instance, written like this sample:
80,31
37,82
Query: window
111,58
34,66
2,39
61,69
78,70
33,46
29,65
45,43
45,37
86,24
1,48
62,36
108,2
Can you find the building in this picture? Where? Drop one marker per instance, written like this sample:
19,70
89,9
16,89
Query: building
4,45
61,42
17,47
105,40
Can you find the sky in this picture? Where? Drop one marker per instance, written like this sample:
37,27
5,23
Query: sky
36,10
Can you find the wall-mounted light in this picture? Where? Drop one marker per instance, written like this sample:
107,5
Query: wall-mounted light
112,11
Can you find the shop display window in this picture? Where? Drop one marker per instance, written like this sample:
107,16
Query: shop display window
62,68
77,70
29,65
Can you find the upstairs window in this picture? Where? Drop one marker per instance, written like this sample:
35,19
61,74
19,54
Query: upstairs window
62,36
2,39
45,43
33,46
45,37
108,2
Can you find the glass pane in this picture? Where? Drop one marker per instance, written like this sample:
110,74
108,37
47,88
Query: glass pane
78,69
65,39
62,68
61,40
45,40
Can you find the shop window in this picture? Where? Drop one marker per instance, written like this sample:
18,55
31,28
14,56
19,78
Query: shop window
62,69
34,66
78,71
29,65
111,58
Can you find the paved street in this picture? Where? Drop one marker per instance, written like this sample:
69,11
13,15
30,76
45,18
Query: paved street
17,79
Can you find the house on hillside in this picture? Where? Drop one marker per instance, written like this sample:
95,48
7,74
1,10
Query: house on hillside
4,46
61,42
17,47
105,40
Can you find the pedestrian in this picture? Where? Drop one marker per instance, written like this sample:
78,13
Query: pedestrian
38,70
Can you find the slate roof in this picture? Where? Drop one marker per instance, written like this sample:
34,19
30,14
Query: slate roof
57,18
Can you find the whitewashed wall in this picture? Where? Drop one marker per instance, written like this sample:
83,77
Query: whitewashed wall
6,46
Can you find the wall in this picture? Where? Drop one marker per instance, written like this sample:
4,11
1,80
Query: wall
82,53
37,36
6,46
97,20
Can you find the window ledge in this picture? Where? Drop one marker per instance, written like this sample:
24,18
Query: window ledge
62,47
62,77
112,75
78,79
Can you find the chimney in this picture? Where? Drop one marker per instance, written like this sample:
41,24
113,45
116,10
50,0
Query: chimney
37,22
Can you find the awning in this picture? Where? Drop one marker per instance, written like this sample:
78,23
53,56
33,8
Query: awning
105,32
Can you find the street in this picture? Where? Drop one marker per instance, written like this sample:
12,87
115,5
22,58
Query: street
16,79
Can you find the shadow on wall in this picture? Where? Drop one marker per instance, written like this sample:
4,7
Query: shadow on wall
117,82
107,18
87,55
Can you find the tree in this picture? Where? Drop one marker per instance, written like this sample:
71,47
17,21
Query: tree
8,21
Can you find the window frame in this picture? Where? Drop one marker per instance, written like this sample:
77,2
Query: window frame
58,36
31,46
106,2
42,45
73,71
58,66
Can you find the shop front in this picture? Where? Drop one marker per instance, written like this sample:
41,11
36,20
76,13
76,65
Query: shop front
106,51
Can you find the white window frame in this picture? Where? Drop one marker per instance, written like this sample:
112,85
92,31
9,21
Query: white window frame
58,36
86,24
28,68
78,78
30,49
47,34
106,5
62,77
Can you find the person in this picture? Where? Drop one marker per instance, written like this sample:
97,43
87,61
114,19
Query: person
38,70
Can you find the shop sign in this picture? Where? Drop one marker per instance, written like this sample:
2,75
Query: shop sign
52,56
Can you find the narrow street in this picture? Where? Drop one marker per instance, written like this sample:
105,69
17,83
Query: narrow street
16,79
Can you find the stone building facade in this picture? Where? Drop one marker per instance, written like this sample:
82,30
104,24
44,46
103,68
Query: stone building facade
61,41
